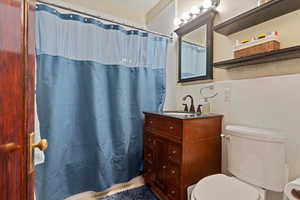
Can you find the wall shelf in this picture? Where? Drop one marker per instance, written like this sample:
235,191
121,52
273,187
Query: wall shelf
272,56
263,13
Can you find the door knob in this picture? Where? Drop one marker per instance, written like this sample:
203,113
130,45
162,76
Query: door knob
9,147
42,145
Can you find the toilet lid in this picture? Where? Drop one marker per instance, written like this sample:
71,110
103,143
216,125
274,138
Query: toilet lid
223,187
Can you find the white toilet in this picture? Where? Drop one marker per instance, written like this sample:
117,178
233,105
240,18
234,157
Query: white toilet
256,158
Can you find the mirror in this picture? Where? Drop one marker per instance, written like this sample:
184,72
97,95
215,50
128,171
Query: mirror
196,48
193,53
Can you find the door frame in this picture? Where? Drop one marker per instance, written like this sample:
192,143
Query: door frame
29,98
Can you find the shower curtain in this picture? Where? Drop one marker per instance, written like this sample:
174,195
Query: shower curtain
94,80
193,60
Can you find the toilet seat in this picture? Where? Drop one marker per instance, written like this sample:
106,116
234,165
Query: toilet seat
221,187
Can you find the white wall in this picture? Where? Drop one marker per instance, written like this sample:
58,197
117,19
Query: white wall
161,23
132,10
89,7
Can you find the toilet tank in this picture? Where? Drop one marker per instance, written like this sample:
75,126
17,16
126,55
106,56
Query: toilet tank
257,156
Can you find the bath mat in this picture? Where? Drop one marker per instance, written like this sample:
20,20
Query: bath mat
141,193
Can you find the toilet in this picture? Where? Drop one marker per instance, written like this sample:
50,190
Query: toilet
257,160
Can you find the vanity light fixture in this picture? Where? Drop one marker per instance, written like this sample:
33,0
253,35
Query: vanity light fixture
178,21
186,16
195,11
207,4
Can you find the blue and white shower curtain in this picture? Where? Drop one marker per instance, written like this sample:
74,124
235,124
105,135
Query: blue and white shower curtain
193,60
94,80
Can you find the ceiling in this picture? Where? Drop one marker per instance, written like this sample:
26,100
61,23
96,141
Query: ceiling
141,6
134,10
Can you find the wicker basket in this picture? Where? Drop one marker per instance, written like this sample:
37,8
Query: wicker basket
257,49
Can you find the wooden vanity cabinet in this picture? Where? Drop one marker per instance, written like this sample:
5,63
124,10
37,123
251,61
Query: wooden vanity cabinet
178,152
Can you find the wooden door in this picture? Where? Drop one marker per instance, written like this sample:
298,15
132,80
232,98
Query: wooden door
17,61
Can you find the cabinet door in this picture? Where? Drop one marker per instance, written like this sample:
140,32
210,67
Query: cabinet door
160,152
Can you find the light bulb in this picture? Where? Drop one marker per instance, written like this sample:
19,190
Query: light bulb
195,10
207,4
177,21
185,16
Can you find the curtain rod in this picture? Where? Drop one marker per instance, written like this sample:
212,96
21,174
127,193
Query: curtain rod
102,18
198,45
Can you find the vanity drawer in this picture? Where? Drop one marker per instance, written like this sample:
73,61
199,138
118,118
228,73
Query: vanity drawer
149,140
148,155
174,153
173,174
151,122
149,172
166,125
171,127
173,192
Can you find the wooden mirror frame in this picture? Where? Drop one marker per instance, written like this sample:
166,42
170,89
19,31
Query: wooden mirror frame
206,18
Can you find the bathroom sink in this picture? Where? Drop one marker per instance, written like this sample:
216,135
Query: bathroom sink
180,113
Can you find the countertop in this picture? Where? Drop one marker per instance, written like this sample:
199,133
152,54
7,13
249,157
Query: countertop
187,116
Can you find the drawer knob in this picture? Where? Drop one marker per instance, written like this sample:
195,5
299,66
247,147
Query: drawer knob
172,192
151,122
173,172
164,166
171,127
174,152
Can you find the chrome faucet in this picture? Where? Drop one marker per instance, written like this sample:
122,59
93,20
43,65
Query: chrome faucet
192,108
